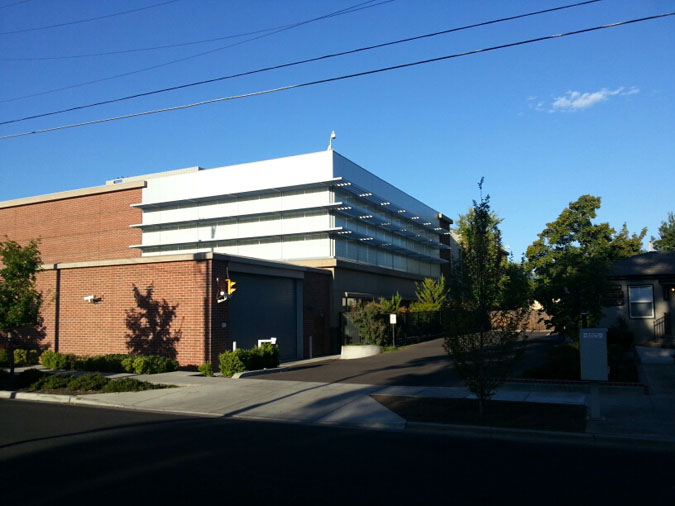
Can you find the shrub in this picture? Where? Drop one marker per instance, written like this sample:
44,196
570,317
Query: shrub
153,364
47,359
21,358
232,362
54,360
370,320
128,385
271,356
112,362
28,377
51,382
240,360
206,369
101,363
87,382
26,357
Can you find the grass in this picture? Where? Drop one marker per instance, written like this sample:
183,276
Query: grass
505,414
387,349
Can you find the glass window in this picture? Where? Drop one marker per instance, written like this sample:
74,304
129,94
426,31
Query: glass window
641,301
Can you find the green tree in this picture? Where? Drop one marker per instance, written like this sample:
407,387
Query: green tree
516,287
666,240
482,340
431,295
571,260
20,301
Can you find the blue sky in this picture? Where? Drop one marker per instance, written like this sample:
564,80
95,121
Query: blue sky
544,123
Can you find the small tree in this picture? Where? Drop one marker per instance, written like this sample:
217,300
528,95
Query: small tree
481,339
20,301
666,240
431,295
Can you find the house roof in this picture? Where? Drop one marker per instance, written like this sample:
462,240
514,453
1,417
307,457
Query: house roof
654,263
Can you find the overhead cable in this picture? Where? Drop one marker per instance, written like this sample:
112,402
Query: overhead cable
295,63
97,18
340,12
340,78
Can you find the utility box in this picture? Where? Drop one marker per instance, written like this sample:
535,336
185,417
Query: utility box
593,350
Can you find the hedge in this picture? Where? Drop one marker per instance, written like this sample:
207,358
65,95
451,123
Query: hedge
240,360
114,362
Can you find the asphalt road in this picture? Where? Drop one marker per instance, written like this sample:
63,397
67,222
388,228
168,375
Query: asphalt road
423,364
56,454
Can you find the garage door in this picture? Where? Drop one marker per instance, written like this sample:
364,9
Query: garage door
264,307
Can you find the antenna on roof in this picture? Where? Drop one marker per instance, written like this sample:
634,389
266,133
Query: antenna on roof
330,143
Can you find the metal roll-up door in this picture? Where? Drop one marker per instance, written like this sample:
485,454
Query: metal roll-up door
264,307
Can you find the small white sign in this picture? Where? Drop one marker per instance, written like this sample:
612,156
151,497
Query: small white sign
392,319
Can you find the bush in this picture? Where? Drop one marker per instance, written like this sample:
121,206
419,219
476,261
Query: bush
153,364
21,358
232,362
28,377
52,382
206,369
87,382
128,385
26,357
54,360
102,363
263,357
370,320
112,362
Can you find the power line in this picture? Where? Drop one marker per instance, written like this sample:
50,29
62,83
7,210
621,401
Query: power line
299,62
168,46
340,12
14,4
97,18
340,78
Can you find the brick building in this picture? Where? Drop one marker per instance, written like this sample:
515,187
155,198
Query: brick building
300,235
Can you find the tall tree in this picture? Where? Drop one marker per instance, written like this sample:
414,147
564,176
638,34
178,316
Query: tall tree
666,240
482,341
571,260
20,300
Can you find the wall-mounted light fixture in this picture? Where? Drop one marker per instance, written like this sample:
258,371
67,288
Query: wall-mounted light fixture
92,299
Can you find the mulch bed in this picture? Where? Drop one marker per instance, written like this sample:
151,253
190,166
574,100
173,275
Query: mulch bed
507,414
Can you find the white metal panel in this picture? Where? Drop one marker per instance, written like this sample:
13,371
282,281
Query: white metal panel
276,173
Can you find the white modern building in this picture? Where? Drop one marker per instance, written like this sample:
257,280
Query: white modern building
307,209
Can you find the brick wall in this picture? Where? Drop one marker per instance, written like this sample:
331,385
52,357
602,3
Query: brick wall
93,329
84,228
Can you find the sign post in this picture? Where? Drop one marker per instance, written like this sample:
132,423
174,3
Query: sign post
593,354
392,320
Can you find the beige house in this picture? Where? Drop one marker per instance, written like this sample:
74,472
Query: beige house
642,293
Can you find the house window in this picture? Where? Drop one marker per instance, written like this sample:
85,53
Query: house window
641,301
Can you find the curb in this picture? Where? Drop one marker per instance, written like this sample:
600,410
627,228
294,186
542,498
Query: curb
501,433
257,372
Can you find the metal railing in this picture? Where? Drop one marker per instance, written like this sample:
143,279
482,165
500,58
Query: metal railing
663,326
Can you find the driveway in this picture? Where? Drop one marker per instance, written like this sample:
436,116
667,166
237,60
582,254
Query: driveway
424,364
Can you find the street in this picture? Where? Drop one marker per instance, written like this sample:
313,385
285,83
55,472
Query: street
59,454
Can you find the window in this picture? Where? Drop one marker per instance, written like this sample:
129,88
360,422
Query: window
641,301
